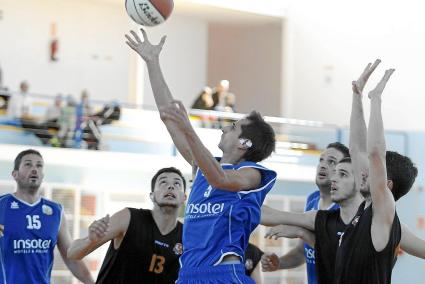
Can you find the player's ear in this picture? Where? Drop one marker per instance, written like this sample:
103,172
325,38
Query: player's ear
245,143
14,174
151,196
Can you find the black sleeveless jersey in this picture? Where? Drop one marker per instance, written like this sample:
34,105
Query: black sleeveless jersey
357,261
328,229
252,258
145,255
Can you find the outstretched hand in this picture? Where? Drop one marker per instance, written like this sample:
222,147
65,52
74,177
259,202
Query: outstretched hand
379,89
145,49
359,85
283,231
177,113
98,229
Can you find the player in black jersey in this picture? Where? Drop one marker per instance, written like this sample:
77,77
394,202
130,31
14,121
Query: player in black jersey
145,244
366,249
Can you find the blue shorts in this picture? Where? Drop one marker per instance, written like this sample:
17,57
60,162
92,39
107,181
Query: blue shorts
220,274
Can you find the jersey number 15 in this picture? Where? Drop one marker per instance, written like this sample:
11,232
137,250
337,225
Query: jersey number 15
33,222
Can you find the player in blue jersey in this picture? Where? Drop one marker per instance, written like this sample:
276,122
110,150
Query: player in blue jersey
318,200
224,204
31,227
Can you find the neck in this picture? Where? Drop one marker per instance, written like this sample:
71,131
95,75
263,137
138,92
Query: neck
30,196
349,208
231,159
165,218
325,198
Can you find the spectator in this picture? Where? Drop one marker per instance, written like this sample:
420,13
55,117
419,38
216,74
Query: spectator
204,100
67,122
19,104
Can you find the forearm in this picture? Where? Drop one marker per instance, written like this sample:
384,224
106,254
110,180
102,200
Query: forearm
161,92
79,270
293,258
202,157
358,130
80,248
411,243
272,217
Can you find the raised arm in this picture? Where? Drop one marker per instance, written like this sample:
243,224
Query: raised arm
382,200
231,180
163,98
77,267
358,130
100,232
272,217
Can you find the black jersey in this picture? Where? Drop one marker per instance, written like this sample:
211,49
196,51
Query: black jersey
252,258
357,261
145,255
328,229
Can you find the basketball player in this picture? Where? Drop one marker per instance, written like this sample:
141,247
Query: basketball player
374,256
31,227
318,200
145,244
224,204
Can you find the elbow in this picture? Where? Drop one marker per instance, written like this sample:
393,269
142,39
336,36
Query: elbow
71,255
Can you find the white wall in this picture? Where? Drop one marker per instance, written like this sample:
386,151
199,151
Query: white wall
330,43
250,58
183,59
92,53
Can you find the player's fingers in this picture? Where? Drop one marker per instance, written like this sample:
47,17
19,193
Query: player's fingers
373,67
145,35
136,36
161,43
130,40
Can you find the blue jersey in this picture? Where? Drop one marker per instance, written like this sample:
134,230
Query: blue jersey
30,236
219,222
312,203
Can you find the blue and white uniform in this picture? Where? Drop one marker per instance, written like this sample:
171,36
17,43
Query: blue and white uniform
312,203
30,236
219,223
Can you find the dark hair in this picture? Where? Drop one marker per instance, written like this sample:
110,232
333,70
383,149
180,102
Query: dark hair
261,135
167,170
345,160
340,147
18,158
402,172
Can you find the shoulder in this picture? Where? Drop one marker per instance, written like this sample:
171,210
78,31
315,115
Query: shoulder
312,201
50,203
266,174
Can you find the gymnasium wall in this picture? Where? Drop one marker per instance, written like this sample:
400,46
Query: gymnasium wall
92,51
250,58
331,42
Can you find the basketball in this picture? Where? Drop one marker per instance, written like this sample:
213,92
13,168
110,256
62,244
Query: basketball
149,12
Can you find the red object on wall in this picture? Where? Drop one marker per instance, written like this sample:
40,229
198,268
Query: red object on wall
54,44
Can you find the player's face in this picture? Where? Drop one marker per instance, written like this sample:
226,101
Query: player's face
342,183
169,190
329,158
230,136
30,172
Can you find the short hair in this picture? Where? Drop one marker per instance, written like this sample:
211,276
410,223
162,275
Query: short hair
340,147
18,158
167,170
401,171
346,160
261,135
